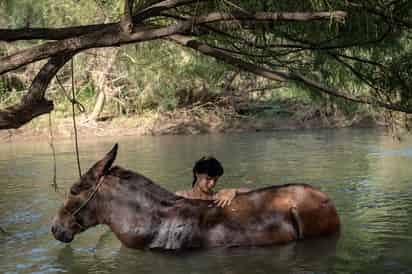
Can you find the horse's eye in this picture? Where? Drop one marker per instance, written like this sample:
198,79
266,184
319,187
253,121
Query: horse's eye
73,192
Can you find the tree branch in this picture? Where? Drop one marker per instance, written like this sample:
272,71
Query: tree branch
8,35
226,57
345,95
127,20
269,16
278,75
34,104
110,36
113,36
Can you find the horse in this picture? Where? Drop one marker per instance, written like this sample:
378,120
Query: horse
143,215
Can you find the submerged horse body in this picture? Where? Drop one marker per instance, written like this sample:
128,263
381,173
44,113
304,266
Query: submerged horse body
144,215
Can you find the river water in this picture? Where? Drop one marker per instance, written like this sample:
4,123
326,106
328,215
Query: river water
366,172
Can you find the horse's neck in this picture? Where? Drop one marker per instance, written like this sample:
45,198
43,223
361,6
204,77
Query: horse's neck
136,215
159,226
127,212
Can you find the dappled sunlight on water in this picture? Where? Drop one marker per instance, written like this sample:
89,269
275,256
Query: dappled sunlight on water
367,173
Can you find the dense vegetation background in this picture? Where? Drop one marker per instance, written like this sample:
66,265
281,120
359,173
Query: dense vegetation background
367,55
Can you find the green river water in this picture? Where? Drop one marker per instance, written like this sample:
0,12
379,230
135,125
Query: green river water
366,172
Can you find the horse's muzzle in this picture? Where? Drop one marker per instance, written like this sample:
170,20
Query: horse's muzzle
61,234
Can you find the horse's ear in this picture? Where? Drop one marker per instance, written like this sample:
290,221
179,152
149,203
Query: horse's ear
102,167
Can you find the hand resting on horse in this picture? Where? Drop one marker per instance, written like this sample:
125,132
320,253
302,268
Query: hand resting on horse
222,198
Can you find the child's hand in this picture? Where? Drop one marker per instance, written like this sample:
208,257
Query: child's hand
224,197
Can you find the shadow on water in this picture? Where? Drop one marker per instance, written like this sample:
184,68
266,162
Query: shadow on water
311,255
285,258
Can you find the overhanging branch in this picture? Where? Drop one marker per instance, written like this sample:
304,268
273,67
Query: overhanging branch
270,16
227,58
113,35
108,37
282,76
345,95
10,35
34,103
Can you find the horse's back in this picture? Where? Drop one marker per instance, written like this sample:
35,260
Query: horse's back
317,212
265,215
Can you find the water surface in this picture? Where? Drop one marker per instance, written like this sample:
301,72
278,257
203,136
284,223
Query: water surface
366,172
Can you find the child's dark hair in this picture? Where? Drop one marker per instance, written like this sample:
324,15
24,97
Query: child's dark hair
207,165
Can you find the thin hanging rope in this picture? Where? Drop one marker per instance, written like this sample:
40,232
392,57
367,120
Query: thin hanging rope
74,120
79,105
51,143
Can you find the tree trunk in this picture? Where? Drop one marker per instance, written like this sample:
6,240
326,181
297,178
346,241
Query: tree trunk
98,107
103,81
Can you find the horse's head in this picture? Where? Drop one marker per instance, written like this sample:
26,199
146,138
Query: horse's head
78,212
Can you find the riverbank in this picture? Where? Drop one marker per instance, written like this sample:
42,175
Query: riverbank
186,121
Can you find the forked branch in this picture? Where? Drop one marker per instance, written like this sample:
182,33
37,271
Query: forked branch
34,103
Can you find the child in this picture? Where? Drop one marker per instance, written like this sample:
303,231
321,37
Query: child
206,173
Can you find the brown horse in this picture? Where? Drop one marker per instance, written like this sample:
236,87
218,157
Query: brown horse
144,215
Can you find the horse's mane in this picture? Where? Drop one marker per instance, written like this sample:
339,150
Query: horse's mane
136,181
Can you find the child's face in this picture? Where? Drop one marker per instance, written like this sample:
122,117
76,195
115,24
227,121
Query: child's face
206,182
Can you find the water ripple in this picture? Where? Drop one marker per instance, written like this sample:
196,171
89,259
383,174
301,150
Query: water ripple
367,176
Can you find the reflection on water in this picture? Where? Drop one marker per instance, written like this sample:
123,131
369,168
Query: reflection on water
367,174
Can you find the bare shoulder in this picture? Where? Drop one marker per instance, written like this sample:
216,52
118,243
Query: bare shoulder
184,193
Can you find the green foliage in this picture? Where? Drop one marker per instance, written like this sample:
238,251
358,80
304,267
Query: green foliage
10,91
55,13
8,98
86,92
160,73
399,80
168,101
2,90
